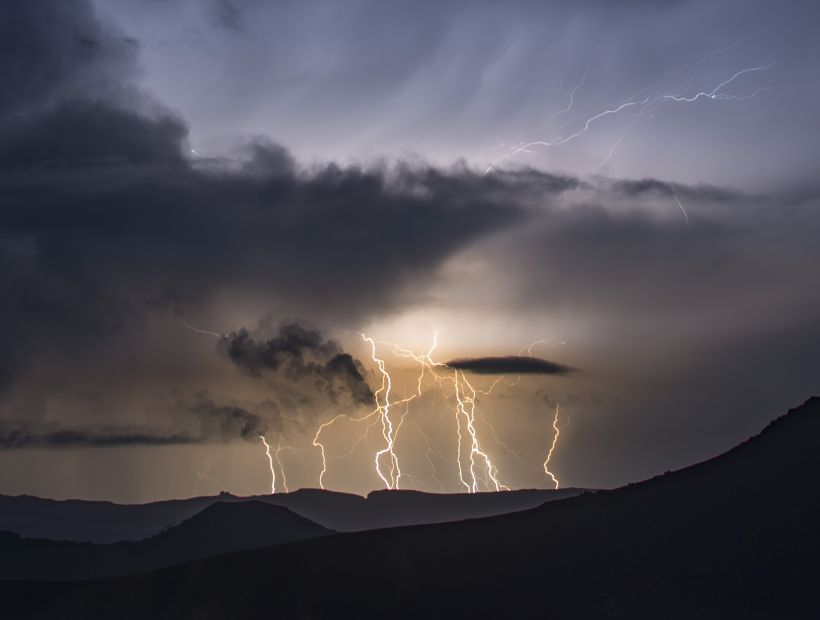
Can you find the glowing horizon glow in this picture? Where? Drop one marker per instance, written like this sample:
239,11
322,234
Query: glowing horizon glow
478,471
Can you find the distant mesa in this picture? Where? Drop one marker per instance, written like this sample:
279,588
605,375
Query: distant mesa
508,365
104,522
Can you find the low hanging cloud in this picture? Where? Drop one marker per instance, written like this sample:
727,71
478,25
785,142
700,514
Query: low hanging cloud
217,424
509,365
300,354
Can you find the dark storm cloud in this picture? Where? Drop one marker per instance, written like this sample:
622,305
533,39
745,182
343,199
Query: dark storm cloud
68,93
83,133
105,222
300,354
55,50
88,251
510,364
108,226
216,424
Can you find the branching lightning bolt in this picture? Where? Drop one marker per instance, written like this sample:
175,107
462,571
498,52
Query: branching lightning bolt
392,476
476,469
642,103
570,95
391,480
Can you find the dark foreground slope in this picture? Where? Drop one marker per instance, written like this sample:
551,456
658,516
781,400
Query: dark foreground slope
106,522
733,537
220,528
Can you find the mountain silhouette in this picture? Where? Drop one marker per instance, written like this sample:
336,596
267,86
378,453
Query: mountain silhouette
736,536
106,522
220,528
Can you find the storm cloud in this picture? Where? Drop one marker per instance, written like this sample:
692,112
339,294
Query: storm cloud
105,220
133,200
300,354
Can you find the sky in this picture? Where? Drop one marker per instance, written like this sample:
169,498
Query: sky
226,221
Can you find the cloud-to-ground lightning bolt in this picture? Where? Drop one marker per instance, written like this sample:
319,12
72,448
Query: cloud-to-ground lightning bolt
392,476
270,462
481,466
381,414
643,102
476,470
466,406
391,481
557,430
279,448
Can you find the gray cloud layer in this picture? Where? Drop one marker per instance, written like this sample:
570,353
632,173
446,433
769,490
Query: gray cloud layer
217,424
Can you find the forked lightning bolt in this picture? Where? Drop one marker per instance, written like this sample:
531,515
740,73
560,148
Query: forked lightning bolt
391,480
476,469
641,104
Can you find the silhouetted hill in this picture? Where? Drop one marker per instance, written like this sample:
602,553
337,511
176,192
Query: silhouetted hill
397,508
220,528
105,522
734,537
232,526
94,521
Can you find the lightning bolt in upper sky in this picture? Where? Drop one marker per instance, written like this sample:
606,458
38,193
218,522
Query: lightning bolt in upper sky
640,104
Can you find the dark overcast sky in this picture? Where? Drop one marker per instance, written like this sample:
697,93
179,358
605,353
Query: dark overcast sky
286,175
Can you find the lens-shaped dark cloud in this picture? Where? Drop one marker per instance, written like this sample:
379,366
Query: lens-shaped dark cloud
510,364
